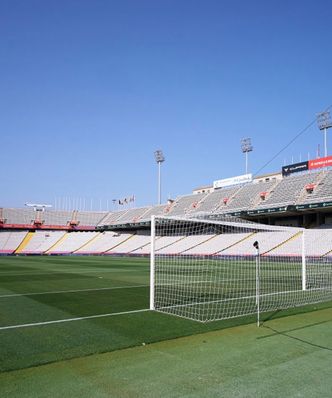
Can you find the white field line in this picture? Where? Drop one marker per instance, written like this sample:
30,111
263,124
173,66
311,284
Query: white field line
101,288
181,284
26,325
106,288
240,298
71,291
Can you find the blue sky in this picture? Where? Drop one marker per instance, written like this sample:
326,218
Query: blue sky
90,89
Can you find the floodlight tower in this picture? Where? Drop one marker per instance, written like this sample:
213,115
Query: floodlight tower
160,158
324,122
246,147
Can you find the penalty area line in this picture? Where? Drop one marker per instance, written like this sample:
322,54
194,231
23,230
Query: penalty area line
82,318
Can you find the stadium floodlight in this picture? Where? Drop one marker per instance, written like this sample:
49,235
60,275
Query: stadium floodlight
160,158
246,147
38,206
324,122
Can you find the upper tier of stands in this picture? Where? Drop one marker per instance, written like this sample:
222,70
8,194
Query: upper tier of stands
322,189
289,190
217,200
28,216
295,189
249,195
186,204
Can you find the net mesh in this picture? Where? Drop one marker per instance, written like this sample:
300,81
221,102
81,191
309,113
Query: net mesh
210,271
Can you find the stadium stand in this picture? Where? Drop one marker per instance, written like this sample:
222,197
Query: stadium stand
287,191
155,210
72,217
72,241
28,216
112,217
295,189
103,242
161,243
249,195
267,242
132,215
300,199
19,216
89,218
321,189
216,200
134,243
318,243
41,241
58,217
10,241
187,243
24,242
217,243
283,243
186,204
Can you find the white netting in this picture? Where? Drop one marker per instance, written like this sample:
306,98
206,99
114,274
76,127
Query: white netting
209,271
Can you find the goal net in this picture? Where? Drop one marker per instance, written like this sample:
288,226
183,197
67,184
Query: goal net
209,270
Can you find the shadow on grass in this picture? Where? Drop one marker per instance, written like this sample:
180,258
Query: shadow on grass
286,334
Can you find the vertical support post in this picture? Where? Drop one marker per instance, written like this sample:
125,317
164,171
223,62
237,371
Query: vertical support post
258,265
304,265
246,162
160,158
152,261
325,142
159,183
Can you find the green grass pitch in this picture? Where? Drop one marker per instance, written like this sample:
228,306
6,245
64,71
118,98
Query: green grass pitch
37,291
43,298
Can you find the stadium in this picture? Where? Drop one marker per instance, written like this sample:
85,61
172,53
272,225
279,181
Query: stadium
194,259
128,273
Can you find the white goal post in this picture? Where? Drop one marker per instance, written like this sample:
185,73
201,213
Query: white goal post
206,270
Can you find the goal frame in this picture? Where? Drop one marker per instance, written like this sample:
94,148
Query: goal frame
237,223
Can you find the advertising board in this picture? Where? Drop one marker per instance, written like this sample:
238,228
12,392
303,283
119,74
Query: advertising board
321,162
308,165
295,168
226,182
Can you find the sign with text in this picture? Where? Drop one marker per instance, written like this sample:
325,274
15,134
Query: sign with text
321,162
226,182
295,168
308,165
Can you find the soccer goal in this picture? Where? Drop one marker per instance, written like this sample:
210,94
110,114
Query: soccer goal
206,270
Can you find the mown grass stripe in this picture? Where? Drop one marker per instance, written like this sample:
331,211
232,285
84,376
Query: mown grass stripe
71,291
26,325
101,271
